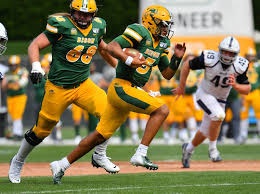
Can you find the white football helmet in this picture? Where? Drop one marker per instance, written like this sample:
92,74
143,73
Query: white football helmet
3,39
228,44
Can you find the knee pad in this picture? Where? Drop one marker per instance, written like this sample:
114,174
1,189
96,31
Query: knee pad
31,138
218,116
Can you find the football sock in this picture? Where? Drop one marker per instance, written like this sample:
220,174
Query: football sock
64,163
212,145
77,130
142,150
24,150
18,127
101,148
190,148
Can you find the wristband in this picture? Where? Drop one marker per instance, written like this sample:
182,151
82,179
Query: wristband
175,62
36,65
129,60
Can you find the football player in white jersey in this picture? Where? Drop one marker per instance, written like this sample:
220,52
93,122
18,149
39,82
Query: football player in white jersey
3,41
223,70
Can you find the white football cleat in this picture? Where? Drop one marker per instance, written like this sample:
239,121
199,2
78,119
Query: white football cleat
214,155
139,160
15,169
101,160
57,172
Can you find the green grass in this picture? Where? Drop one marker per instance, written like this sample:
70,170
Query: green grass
20,48
188,182
124,153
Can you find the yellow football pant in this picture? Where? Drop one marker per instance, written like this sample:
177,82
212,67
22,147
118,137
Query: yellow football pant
77,113
16,106
88,96
121,99
252,99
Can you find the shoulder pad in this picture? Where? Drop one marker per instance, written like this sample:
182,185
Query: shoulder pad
54,23
241,65
210,57
135,30
100,21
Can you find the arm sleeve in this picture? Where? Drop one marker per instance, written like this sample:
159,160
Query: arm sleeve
123,42
197,62
163,63
242,79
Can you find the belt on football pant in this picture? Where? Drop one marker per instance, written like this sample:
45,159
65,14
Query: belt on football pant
72,86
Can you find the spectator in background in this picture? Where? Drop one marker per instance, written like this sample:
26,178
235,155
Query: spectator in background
251,100
15,81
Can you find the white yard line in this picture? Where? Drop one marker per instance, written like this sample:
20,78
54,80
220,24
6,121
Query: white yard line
134,188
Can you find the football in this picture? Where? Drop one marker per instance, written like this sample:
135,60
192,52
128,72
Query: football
133,53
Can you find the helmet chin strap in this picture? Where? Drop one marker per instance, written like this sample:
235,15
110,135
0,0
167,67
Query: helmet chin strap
77,22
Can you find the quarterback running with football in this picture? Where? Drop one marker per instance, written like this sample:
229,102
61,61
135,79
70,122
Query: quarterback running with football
74,37
151,39
223,70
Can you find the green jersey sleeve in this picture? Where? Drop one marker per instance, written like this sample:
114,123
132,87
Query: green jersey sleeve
164,61
54,28
101,28
133,34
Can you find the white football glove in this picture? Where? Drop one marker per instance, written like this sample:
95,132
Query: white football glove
154,93
36,73
37,68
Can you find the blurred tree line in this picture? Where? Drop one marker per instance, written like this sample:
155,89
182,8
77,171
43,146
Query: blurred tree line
24,19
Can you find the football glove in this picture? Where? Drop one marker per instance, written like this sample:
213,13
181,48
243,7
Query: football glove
36,73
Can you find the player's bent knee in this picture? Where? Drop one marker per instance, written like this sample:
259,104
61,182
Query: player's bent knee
163,110
31,138
220,116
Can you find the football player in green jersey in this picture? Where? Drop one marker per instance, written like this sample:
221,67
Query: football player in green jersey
124,95
74,38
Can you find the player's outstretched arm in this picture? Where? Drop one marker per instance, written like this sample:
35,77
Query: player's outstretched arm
173,65
102,49
180,90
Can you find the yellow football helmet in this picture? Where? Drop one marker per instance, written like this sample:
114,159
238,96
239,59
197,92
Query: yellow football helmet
88,8
48,57
14,61
251,54
156,17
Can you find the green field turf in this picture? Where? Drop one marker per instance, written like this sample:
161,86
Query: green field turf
188,182
124,153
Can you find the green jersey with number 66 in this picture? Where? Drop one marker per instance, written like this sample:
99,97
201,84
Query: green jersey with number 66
155,52
72,48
